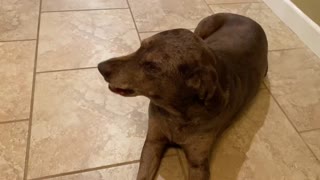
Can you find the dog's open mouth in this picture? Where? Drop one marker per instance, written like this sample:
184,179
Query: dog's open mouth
122,92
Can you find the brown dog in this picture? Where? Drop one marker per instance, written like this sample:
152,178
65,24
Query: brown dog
196,83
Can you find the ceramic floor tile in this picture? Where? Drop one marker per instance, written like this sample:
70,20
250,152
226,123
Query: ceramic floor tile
125,172
263,145
278,34
230,1
18,19
13,142
312,138
294,80
170,169
159,15
171,152
85,38
78,124
58,5
16,73
184,162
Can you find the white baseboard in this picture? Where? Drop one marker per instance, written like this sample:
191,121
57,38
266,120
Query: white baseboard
301,24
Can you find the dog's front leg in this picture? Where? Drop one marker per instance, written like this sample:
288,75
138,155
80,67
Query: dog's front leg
152,152
198,154
150,159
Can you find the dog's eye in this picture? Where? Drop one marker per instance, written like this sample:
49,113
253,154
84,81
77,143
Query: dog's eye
151,67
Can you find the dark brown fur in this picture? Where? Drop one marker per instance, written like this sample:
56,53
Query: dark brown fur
196,82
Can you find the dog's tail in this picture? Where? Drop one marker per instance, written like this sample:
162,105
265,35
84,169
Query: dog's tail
209,25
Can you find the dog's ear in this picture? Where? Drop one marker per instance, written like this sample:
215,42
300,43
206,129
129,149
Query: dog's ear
204,82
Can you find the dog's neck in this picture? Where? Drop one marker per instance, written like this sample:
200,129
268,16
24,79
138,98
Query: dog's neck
187,109
173,109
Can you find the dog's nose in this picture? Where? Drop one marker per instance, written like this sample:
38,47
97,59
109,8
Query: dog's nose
104,69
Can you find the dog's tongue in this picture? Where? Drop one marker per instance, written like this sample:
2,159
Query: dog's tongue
120,91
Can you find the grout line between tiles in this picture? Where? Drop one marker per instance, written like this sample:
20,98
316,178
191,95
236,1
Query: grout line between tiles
286,49
62,70
87,170
26,165
76,10
309,130
14,121
205,2
276,101
226,3
134,21
17,40
94,169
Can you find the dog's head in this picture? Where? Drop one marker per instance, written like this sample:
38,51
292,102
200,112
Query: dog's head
172,66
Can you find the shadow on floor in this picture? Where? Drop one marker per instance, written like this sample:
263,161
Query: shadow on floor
229,153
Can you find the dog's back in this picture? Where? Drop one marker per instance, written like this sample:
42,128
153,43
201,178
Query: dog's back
241,44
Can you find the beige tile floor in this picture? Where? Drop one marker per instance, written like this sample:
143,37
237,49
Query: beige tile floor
58,120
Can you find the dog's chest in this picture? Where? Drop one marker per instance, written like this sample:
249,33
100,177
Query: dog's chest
176,131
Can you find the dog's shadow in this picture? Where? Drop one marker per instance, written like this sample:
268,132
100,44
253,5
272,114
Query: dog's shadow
230,151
